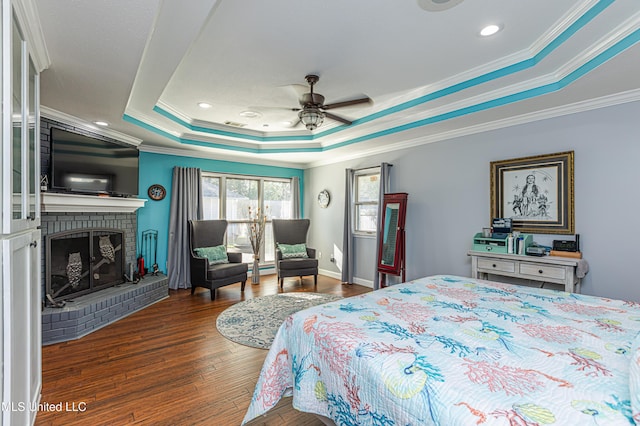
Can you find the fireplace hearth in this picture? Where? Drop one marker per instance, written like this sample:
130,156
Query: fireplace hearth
83,261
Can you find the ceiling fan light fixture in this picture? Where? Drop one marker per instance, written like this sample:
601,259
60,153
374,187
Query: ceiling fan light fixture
311,117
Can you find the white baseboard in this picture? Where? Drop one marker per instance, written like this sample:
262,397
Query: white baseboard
363,282
332,274
338,276
325,272
263,271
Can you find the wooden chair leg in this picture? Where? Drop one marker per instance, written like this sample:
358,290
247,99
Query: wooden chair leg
243,284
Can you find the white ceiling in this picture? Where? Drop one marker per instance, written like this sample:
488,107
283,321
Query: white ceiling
143,66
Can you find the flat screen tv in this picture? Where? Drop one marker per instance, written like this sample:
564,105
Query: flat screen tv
88,165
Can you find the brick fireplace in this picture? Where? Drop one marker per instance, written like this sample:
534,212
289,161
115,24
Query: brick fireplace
60,222
70,216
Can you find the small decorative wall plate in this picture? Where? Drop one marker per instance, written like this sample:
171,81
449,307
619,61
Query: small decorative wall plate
324,198
157,192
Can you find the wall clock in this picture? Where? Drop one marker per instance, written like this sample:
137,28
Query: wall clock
157,192
324,198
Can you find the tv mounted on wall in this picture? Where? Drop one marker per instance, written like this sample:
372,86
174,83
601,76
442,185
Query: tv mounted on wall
83,164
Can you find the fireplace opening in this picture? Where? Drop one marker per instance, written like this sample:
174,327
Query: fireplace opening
83,261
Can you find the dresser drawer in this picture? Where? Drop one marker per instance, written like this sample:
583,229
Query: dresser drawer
543,271
489,265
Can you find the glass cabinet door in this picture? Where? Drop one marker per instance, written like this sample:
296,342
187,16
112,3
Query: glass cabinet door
17,46
33,171
21,158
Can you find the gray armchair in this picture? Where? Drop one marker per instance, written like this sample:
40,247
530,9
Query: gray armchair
293,231
210,233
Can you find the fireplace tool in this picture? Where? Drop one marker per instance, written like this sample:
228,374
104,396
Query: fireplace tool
149,248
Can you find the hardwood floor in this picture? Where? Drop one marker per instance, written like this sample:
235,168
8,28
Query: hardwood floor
167,365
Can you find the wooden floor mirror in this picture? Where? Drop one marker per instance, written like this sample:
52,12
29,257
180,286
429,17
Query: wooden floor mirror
392,244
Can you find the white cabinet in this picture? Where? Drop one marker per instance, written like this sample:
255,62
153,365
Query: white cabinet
23,56
545,269
22,345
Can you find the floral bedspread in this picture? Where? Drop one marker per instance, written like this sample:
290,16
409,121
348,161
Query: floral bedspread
448,350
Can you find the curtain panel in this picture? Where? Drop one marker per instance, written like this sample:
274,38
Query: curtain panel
347,239
295,195
186,204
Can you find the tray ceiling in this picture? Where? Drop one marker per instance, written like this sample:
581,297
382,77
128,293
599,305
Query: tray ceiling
144,66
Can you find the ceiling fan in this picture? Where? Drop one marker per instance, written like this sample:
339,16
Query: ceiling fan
313,110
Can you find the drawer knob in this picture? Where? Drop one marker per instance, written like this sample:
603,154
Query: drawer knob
540,271
494,265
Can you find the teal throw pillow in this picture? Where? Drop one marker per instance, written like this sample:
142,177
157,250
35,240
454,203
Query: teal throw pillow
215,255
290,251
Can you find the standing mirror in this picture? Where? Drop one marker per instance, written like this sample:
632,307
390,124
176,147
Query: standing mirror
391,250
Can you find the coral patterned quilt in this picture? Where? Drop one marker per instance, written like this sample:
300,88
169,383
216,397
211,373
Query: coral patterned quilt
448,350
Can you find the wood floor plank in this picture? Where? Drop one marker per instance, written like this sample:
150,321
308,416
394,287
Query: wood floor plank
168,365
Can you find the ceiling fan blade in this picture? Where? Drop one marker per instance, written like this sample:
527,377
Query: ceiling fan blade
337,118
294,90
365,100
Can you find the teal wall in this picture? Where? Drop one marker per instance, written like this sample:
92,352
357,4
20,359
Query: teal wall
158,168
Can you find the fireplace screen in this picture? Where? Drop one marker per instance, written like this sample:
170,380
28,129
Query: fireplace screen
83,261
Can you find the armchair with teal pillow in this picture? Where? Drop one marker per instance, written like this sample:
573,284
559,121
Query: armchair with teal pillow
293,257
211,265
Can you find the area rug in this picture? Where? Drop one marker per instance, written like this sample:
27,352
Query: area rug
255,322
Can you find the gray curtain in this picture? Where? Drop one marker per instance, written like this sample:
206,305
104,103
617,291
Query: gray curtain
295,195
347,238
384,189
186,204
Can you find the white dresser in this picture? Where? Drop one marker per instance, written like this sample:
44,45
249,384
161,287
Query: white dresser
545,269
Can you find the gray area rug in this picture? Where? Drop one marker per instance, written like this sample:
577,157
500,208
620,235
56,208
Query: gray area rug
255,322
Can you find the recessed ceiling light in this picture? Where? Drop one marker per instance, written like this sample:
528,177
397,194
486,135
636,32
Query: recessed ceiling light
204,105
250,114
101,123
490,30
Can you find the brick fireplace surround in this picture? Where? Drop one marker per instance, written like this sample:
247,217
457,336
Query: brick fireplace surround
91,312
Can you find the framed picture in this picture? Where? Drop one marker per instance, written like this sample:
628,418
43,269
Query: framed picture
535,192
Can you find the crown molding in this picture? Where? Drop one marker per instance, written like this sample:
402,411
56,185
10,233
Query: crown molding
29,20
624,30
561,26
219,155
62,117
575,108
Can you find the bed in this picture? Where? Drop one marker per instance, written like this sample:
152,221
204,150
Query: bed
448,350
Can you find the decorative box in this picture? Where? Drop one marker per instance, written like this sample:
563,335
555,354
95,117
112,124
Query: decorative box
500,245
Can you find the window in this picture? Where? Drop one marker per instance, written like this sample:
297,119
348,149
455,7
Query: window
367,191
230,196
